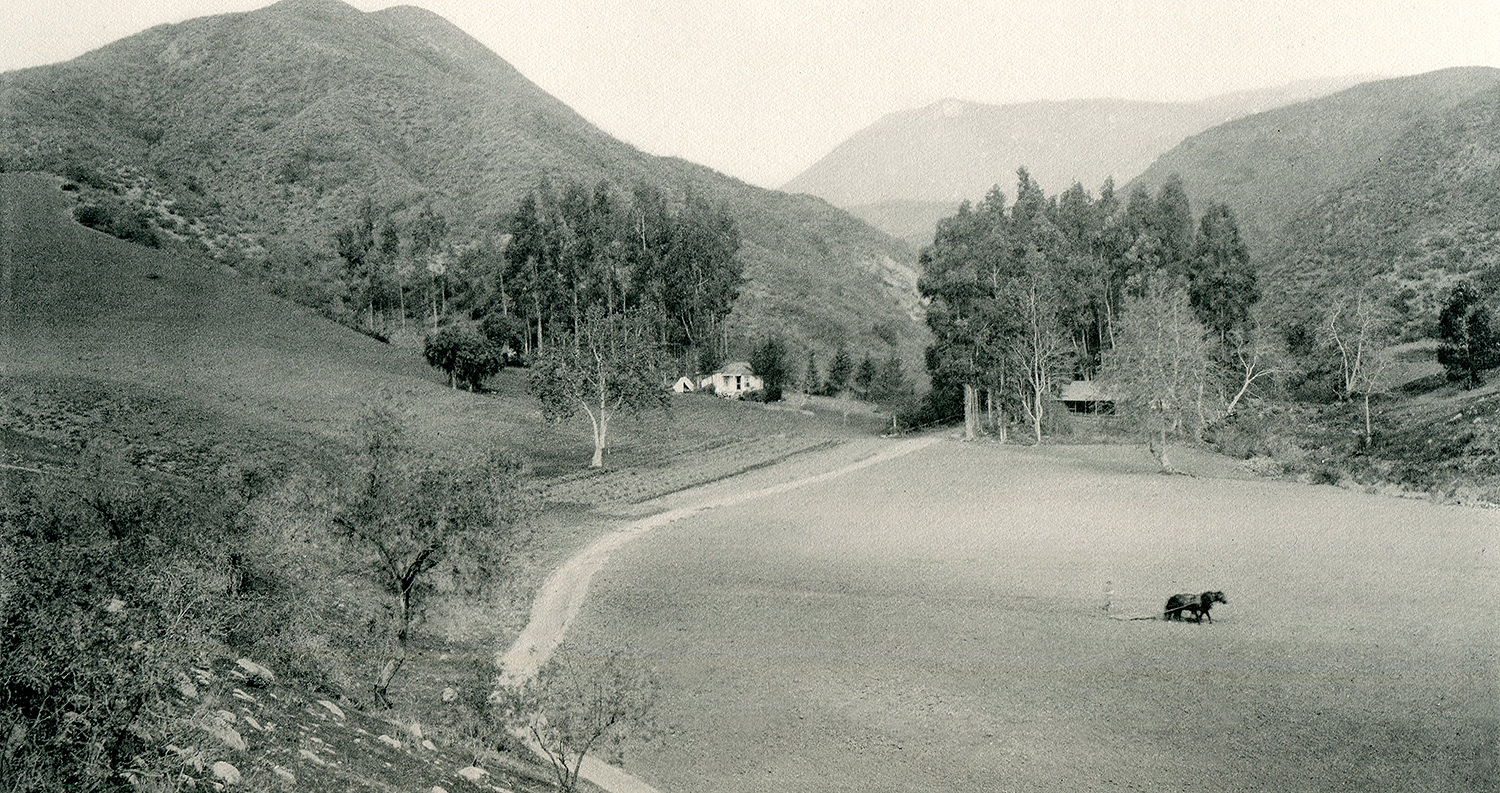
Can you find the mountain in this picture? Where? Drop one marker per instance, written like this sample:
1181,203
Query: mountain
1271,166
905,166
273,124
1395,178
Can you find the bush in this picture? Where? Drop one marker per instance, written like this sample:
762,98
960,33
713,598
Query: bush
467,357
110,593
120,221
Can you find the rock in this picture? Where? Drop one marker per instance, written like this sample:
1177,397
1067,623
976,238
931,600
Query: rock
332,708
255,672
225,716
114,606
429,746
250,720
310,756
185,687
394,743
473,773
226,734
284,774
415,731
449,695
438,789
241,695
226,773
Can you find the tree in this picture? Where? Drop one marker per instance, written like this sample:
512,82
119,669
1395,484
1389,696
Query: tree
356,245
890,384
864,376
1469,343
1159,362
612,364
409,513
576,707
811,378
1355,334
1222,286
770,362
468,357
840,370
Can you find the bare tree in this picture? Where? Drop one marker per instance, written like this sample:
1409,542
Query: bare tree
1159,363
1355,334
574,708
1249,357
612,364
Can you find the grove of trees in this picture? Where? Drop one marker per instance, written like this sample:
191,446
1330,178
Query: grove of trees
1027,295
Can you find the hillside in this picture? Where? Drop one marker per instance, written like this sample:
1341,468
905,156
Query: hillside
1272,166
265,127
1426,213
904,167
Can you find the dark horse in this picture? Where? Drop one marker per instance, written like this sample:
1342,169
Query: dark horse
1198,604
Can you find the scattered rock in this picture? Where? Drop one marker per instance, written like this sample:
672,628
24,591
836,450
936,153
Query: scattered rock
284,774
332,708
226,716
226,734
250,720
114,606
449,695
226,773
394,743
185,686
308,755
240,694
429,746
473,773
255,672
438,789
415,731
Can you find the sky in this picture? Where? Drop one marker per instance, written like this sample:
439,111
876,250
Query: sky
760,89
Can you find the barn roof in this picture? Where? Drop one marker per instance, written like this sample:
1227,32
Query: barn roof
1083,391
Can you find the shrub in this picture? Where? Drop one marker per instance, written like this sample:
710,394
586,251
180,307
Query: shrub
120,221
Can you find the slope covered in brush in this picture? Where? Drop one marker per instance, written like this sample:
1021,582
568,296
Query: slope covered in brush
1271,167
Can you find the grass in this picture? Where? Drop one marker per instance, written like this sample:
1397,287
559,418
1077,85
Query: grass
937,623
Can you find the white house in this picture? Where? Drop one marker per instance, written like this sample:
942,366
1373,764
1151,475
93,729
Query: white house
733,381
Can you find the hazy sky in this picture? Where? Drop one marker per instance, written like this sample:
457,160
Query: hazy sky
762,88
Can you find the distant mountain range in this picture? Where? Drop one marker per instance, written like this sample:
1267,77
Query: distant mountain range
914,166
277,122
1396,178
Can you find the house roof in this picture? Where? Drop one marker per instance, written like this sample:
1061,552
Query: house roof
1083,391
738,367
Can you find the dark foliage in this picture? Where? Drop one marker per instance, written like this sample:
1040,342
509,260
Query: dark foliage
1470,344
772,364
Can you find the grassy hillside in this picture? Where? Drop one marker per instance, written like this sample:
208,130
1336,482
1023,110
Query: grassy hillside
260,128
190,367
1272,167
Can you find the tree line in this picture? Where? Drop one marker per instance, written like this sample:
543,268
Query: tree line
1162,308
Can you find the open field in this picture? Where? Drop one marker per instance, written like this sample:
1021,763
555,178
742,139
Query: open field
936,623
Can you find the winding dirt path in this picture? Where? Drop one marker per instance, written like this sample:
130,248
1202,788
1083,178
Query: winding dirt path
562,595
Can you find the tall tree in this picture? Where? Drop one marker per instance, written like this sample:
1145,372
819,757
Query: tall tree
1221,281
1469,342
840,370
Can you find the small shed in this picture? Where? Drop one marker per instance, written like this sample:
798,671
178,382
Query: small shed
1087,398
685,385
734,380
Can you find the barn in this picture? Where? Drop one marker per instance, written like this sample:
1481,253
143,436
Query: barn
1087,398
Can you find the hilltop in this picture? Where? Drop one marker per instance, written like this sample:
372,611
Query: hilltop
915,165
263,128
